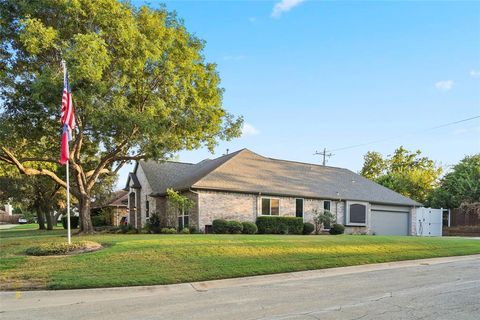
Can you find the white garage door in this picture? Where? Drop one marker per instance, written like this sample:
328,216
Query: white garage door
390,222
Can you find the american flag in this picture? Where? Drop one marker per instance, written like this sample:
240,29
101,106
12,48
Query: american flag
67,119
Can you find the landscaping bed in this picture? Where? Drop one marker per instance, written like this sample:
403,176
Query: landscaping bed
148,259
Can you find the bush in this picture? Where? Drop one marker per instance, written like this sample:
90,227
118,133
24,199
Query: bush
185,231
153,223
308,228
193,229
126,228
249,228
220,226
58,248
99,221
280,225
73,222
234,227
168,231
337,229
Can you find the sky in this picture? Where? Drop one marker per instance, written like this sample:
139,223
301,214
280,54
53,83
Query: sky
308,75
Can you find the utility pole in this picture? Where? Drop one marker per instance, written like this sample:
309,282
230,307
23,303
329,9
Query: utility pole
324,154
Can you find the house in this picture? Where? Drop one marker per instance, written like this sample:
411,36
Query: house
118,206
244,185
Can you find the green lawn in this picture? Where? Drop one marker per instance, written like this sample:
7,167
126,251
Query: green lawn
143,259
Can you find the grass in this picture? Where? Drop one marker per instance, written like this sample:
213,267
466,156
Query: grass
142,259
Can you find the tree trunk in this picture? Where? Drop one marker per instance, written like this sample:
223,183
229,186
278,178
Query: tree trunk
84,211
40,220
50,218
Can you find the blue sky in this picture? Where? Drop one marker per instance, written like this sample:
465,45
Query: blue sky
312,74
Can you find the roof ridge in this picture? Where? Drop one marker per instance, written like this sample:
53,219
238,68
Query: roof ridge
308,163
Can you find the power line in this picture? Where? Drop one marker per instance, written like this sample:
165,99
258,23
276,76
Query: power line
413,132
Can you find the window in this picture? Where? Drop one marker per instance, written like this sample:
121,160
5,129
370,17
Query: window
299,208
326,205
147,209
356,213
270,207
183,220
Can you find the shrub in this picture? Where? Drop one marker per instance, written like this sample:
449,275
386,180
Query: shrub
234,227
185,231
99,221
219,226
124,228
57,248
308,228
280,225
153,223
337,229
192,229
168,231
249,228
73,222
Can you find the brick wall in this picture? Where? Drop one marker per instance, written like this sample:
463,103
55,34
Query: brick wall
246,207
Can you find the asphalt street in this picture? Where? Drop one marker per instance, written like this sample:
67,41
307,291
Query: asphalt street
442,288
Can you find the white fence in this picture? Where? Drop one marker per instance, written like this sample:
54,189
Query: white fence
429,222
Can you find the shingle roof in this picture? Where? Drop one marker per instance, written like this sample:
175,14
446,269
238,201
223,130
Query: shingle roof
246,171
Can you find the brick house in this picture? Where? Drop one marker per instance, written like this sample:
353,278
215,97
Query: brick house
244,185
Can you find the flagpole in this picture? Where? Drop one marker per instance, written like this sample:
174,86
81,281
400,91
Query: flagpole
69,237
68,204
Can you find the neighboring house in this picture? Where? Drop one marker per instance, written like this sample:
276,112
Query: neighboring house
118,205
244,185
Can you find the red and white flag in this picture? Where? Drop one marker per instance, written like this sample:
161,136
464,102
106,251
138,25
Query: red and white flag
67,119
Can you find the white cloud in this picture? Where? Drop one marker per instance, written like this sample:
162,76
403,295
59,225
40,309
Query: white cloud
284,6
444,85
249,130
234,57
475,73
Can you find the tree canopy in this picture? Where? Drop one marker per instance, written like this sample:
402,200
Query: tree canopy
405,172
461,185
141,89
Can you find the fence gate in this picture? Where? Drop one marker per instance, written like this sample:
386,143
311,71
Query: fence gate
429,222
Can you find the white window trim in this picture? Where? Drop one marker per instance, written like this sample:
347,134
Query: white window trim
270,206
303,206
347,214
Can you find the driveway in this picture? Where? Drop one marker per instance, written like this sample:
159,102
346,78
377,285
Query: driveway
442,288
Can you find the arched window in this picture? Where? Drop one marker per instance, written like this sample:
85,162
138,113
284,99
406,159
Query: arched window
356,214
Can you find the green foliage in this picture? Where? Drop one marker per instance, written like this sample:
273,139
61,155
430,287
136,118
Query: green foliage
279,225
461,185
322,218
73,222
404,172
168,231
185,231
308,228
154,223
337,229
59,248
103,218
220,226
249,228
234,227
126,228
140,83
192,229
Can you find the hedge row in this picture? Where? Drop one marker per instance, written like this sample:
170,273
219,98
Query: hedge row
280,225
234,227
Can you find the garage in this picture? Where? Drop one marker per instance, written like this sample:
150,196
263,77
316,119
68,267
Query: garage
389,220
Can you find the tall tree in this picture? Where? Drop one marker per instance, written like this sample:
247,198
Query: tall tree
405,172
141,89
461,185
